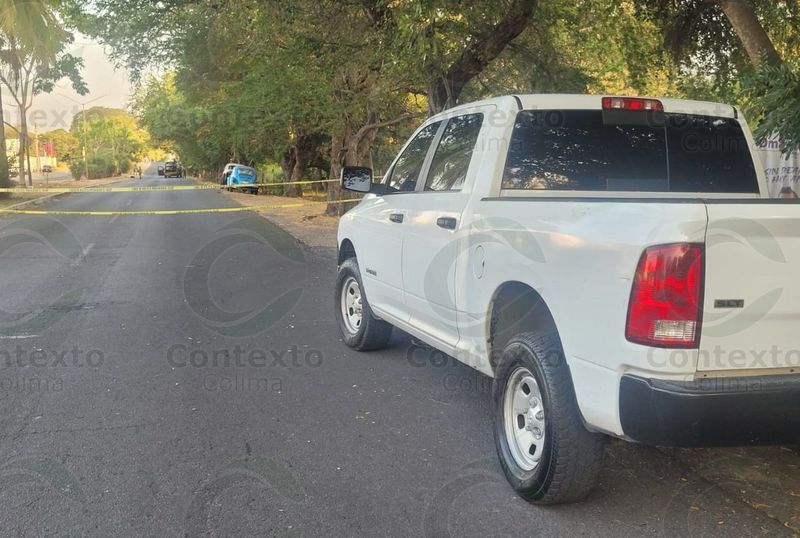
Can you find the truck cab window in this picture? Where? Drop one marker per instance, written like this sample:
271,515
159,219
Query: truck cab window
407,168
579,150
451,161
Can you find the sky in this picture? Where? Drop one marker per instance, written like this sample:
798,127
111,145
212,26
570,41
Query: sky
108,87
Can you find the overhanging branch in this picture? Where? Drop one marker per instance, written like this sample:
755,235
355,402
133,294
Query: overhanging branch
361,133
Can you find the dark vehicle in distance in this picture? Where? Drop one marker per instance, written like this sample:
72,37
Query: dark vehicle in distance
47,169
173,169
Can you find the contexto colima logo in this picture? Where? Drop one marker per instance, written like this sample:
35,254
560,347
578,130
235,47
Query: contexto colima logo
248,232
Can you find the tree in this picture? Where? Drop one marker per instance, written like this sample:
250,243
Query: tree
25,20
319,84
739,51
64,143
112,138
33,58
773,90
298,80
742,17
568,48
473,48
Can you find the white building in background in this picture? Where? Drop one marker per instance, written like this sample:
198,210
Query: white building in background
12,151
781,170
46,155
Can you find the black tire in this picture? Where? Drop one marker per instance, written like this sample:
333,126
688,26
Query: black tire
572,456
373,333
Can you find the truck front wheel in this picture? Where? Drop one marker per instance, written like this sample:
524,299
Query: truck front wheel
360,329
547,454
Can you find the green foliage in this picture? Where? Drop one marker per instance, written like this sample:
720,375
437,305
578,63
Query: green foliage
76,169
33,25
112,138
100,166
65,144
773,102
710,61
34,56
272,81
255,97
63,66
590,46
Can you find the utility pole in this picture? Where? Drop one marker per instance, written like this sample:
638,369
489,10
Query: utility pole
85,162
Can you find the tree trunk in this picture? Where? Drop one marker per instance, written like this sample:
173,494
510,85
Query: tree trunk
287,165
298,170
348,149
296,162
353,148
5,178
745,23
24,160
21,161
338,160
30,168
21,181
114,157
445,88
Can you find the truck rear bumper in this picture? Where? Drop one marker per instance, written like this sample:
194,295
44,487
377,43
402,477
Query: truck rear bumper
732,411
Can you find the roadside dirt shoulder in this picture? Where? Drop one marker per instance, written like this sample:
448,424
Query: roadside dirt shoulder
304,218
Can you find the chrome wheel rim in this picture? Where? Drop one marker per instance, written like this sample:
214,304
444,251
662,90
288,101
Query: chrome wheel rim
525,419
352,306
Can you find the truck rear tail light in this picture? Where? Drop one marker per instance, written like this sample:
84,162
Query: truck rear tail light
632,103
665,309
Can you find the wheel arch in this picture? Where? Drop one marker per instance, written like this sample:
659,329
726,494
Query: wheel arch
515,307
346,250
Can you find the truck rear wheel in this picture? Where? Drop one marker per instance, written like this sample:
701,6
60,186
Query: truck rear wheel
547,454
360,329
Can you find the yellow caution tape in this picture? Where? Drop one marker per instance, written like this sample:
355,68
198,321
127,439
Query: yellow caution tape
173,211
42,190
304,182
200,186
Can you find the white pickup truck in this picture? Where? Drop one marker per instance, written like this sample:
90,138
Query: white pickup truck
613,263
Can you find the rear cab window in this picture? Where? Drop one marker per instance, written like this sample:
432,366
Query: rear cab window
590,150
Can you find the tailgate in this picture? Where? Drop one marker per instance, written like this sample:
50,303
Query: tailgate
751,317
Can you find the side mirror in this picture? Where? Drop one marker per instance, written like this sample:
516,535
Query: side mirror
357,178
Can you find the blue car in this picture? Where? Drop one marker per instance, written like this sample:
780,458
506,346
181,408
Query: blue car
242,177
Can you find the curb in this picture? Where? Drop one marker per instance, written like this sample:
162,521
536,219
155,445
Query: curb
37,201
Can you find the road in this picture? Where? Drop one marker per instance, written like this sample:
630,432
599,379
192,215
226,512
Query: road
120,414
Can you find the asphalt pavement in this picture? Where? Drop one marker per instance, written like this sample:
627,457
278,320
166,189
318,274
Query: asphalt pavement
184,376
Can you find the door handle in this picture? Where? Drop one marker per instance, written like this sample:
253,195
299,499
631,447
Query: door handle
448,223
396,217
